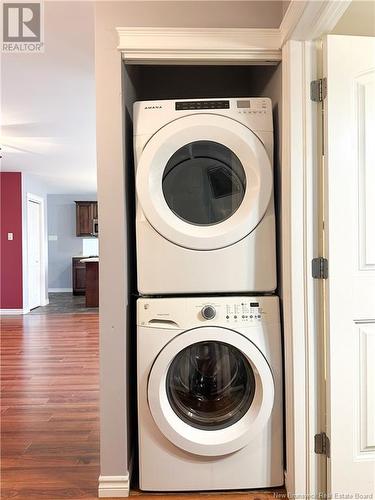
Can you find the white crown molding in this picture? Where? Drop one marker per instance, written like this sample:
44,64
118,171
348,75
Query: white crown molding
114,486
291,19
303,20
188,45
318,18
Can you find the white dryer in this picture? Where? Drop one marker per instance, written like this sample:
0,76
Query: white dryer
205,220
209,393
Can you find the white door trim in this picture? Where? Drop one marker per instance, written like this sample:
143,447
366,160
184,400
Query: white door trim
299,244
37,199
317,19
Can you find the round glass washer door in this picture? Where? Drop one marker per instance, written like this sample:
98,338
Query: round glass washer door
210,391
204,181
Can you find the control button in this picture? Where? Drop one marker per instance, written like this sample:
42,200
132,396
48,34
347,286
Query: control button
227,317
251,315
235,317
208,312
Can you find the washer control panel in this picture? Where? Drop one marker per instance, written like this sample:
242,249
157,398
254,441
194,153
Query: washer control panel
231,311
189,312
245,311
237,312
208,312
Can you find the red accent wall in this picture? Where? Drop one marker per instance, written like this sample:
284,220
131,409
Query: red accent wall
11,251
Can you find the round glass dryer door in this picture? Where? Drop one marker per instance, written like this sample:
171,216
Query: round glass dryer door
204,181
210,391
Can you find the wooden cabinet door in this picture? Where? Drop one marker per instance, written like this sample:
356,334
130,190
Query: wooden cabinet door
94,207
86,212
79,277
83,218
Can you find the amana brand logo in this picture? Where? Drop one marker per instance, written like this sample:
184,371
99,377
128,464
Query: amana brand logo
153,107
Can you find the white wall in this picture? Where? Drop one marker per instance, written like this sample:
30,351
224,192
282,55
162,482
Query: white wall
358,19
205,14
61,215
113,291
33,185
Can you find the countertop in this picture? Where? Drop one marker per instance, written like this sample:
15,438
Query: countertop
90,259
83,256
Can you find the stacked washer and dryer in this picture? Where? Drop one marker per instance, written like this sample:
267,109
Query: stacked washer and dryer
208,324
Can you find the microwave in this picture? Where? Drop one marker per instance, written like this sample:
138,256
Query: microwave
95,227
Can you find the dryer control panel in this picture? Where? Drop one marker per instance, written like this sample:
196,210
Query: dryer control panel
185,313
183,105
254,112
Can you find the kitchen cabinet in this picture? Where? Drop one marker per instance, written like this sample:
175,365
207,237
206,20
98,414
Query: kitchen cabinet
86,215
79,276
92,282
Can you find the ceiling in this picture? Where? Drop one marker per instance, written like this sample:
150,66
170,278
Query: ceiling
48,99
48,103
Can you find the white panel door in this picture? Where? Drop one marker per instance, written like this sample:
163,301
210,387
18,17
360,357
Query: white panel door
349,65
34,253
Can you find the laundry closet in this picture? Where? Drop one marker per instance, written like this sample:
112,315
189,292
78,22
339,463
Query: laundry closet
185,288
189,82
234,51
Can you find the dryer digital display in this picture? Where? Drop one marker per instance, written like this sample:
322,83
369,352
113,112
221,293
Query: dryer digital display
181,106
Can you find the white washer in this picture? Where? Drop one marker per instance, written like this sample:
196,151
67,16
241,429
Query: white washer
209,393
205,220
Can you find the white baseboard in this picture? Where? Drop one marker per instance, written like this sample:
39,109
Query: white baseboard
57,290
4,312
114,486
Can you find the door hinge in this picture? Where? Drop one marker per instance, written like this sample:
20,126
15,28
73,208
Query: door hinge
318,90
322,444
319,268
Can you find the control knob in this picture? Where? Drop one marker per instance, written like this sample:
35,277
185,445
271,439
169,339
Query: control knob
208,312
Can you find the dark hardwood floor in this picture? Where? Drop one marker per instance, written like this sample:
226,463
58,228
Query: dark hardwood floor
50,401
50,411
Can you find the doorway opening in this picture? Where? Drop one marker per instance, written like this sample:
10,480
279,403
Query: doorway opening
35,251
